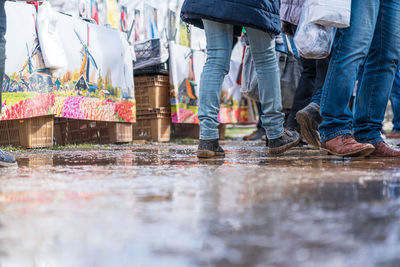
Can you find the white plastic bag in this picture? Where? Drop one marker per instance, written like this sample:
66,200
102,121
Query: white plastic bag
50,42
313,41
330,13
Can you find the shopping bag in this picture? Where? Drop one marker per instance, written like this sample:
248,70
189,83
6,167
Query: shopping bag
330,13
313,41
50,42
249,85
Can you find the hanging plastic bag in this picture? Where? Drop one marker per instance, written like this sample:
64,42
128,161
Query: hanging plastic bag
313,41
330,13
249,87
50,42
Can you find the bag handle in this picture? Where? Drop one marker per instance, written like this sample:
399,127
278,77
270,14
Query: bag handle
289,45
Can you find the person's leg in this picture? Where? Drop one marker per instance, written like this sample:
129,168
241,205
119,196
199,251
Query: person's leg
350,49
395,100
5,159
379,72
309,117
3,27
219,48
304,91
259,133
322,66
263,51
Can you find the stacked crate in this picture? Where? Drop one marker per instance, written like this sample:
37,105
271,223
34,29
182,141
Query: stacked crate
34,132
153,112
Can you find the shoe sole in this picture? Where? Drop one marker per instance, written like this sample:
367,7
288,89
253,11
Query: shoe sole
307,130
205,154
282,149
6,164
359,153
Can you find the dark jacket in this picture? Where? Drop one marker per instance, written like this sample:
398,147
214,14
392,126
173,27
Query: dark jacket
258,14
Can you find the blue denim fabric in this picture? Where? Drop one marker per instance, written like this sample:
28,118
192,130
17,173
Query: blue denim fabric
373,38
219,48
395,100
2,45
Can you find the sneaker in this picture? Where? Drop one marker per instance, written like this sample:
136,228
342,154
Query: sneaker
382,149
210,149
309,120
346,146
256,135
288,140
6,160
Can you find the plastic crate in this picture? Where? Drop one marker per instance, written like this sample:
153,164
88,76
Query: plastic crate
153,125
28,133
148,53
71,131
152,92
162,69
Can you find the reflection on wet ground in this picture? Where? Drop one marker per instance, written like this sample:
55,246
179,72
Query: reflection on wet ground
158,205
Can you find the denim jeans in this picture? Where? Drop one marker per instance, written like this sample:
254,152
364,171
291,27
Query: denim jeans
2,45
395,100
219,49
373,38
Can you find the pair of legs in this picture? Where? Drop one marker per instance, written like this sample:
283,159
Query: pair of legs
373,38
219,49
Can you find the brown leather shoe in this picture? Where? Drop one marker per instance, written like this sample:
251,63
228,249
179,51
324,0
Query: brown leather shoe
384,150
346,146
393,135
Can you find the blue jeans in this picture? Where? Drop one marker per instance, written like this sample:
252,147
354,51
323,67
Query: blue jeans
373,38
219,49
2,45
395,100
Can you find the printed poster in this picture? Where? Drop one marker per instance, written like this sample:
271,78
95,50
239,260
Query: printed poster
95,85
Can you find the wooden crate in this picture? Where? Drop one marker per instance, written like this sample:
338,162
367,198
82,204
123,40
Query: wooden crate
28,133
72,131
153,125
152,91
189,130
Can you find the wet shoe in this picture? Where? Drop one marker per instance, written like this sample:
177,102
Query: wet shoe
309,120
393,135
6,160
288,140
346,146
210,149
384,150
256,135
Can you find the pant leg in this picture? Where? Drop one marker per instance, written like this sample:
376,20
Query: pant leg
350,49
321,70
263,51
304,91
260,114
3,27
219,48
379,72
395,100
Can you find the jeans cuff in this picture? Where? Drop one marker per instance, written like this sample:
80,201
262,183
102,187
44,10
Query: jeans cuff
209,134
275,134
335,133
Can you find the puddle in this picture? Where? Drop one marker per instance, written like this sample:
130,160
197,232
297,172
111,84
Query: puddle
158,205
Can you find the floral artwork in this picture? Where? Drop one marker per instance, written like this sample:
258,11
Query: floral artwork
96,85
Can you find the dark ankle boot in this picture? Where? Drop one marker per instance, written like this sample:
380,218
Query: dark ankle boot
210,149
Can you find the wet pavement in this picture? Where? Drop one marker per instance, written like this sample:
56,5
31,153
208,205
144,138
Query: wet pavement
158,205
